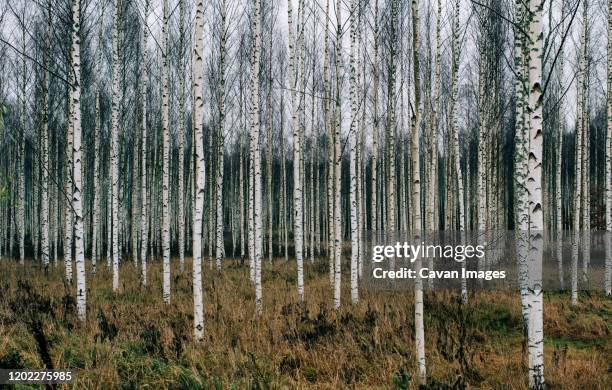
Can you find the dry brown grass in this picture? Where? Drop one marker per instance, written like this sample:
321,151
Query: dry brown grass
132,340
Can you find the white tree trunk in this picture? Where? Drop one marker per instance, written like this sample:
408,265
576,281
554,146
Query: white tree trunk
534,189
181,139
75,101
200,173
375,119
68,186
144,229
559,187
115,147
95,242
353,159
257,205
416,198
45,146
330,148
455,135
220,246
520,161
165,158
338,162
298,228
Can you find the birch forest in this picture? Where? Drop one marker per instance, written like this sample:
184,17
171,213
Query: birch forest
190,191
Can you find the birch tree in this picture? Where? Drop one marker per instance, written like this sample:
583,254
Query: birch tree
220,248
353,158
559,188
181,137
416,197
200,174
298,227
165,158
256,161
143,178
45,143
520,158
455,135
534,190
75,101
68,178
114,156
338,162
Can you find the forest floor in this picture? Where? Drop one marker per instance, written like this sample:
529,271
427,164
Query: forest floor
132,340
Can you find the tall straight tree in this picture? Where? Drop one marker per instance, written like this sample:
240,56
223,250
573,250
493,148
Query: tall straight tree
455,134
219,245
114,163
353,157
144,71
68,182
45,142
391,224
75,101
559,165
21,222
165,157
298,228
339,65
534,189
416,195
520,157
375,119
330,148
95,241
256,160
198,212
181,137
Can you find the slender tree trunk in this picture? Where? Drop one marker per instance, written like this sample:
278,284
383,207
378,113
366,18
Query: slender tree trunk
374,177
559,188
255,127
166,157
353,158
520,160
95,240
298,228
45,144
22,162
416,197
330,148
534,189
144,228
77,189
220,245
338,162
68,184
391,125
455,133
181,138
115,148
200,173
